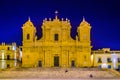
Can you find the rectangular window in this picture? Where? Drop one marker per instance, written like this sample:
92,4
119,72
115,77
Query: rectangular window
8,65
119,60
8,57
119,67
20,49
109,66
56,37
99,60
8,48
109,60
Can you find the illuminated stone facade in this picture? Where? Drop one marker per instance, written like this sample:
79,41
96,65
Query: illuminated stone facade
8,55
106,58
56,48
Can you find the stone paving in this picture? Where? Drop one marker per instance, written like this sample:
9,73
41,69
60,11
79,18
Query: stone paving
57,73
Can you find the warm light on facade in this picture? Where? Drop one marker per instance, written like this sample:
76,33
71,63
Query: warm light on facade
107,57
114,60
56,48
8,55
104,65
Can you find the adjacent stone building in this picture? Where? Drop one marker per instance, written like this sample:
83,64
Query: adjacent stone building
106,58
8,55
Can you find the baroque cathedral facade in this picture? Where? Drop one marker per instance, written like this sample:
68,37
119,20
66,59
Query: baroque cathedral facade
56,48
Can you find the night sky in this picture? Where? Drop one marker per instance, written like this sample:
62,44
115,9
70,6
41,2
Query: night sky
103,15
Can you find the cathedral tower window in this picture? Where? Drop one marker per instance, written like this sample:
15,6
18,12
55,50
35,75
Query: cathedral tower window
56,37
28,36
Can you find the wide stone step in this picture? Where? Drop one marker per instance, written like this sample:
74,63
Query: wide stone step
58,73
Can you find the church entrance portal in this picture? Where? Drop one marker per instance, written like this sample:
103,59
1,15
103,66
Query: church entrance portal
39,63
72,63
56,61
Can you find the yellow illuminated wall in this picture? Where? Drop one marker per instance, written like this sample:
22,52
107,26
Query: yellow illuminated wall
8,55
56,48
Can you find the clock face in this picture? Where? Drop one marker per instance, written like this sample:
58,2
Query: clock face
84,36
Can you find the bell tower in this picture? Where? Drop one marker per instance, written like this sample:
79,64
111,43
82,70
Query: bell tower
29,32
84,31
85,43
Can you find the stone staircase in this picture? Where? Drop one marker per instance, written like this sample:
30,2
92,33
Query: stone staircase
58,73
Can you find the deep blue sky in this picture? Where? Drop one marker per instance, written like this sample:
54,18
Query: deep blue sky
103,15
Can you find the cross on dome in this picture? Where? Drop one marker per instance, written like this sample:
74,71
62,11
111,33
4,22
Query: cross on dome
29,18
56,13
83,18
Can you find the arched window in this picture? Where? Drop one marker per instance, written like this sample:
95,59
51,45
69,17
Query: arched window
56,37
28,36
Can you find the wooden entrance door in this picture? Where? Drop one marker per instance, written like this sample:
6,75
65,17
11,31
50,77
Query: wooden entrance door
56,61
39,63
72,63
